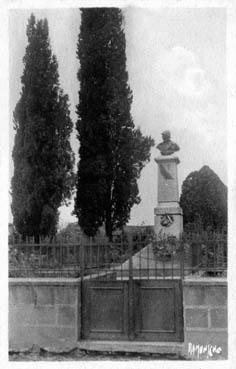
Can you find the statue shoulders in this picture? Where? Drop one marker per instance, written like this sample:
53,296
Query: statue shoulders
161,145
175,146
167,148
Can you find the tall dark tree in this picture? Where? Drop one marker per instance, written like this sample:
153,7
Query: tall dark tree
112,151
204,200
43,159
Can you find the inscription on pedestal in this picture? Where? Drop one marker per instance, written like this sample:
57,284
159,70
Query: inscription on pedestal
167,182
167,179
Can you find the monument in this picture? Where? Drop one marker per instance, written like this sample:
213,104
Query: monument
168,213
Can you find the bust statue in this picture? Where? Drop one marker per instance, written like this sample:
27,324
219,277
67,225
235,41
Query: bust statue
167,147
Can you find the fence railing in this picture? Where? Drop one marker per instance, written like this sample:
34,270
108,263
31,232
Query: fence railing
207,252
65,258
202,254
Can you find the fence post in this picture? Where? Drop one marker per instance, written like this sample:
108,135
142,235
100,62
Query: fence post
182,257
82,267
131,287
82,241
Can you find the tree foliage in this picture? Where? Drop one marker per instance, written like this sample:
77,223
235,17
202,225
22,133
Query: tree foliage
112,151
204,199
43,159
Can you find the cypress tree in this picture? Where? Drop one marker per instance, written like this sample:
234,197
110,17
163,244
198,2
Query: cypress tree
42,155
112,151
204,200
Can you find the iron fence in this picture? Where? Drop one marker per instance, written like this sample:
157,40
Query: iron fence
138,255
207,253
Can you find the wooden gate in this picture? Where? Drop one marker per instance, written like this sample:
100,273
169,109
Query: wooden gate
131,293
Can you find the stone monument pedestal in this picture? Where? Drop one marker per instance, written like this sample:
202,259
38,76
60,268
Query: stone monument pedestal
168,213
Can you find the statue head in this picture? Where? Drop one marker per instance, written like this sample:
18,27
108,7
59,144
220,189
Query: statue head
167,147
166,136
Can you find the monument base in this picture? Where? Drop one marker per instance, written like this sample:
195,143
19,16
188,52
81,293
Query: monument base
168,220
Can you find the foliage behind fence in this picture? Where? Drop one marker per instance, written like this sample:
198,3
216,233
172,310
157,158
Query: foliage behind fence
204,253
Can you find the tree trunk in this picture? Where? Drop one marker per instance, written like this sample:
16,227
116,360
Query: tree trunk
108,226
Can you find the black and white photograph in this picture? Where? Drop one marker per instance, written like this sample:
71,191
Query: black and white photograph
120,192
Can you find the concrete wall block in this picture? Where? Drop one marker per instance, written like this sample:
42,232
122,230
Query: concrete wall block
20,336
36,310
21,295
205,295
65,295
197,318
216,295
66,316
200,345
55,333
36,315
43,336
219,318
45,295
193,295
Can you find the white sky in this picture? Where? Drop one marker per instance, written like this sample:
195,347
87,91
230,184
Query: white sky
176,64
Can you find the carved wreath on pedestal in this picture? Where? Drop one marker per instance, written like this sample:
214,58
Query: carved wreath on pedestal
165,245
166,220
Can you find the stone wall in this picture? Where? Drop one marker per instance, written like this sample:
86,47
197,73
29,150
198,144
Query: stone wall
43,312
46,312
205,318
